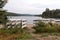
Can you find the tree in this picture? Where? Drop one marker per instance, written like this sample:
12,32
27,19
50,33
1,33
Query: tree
51,13
3,16
46,13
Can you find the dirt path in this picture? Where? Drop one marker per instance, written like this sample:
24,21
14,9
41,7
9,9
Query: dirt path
30,30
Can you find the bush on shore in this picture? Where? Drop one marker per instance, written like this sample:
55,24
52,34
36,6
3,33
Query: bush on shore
46,27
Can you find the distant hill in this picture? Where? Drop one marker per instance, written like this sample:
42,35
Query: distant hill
15,14
38,15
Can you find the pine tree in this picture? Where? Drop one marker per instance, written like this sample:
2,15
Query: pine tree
3,16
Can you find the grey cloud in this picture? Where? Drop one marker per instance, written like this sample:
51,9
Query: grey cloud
37,7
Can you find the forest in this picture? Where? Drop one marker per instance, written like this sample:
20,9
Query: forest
55,13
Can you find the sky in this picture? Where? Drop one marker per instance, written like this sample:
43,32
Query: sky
31,6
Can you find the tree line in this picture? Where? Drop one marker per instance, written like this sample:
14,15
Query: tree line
3,17
51,13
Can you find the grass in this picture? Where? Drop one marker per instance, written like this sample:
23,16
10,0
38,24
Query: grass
47,29
15,33
42,29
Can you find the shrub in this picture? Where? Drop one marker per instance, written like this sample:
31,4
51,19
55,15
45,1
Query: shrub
3,17
46,28
10,31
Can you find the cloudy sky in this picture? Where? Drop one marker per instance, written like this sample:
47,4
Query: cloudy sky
31,6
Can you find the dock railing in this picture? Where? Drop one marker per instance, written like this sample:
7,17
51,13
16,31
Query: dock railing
21,23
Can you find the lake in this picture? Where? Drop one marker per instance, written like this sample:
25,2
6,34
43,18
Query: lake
28,18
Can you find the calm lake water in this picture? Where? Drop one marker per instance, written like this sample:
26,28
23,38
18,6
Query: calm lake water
28,18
